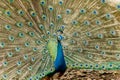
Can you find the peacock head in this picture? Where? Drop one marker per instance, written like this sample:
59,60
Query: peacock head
59,33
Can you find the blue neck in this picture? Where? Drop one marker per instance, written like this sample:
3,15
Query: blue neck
59,63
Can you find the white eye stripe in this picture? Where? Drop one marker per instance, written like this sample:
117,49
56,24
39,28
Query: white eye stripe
60,37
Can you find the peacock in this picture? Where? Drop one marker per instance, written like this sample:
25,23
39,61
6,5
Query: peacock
39,38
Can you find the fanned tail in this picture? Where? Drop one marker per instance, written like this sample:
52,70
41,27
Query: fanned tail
90,29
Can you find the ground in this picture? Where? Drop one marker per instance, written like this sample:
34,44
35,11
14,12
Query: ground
75,74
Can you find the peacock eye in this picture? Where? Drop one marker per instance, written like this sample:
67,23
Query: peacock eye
103,1
97,47
91,66
35,49
54,34
25,56
30,24
90,56
118,6
19,24
98,22
96,65
59,17
44,17
110,65
27,44
48,32
19,63
11,38
10,54
5,63
80,50
100,36
38,42
74,22
32,34
95,12
41,27
86,22
30,68
72,41
81,65
11,1
62,27
88,34
2,44
4,76
85,42
40,75
33,13
68,11
8,13
113,32
37,77
33,59
110,42
86,65
21,35
60,2
43,74
75,34
118,66
42,2
50,8
7,27
52,25
21,12
18,71
117,56
103,67
103,53
44,37
17,49
108,16
82,11
30,78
